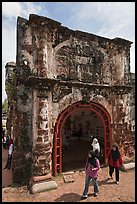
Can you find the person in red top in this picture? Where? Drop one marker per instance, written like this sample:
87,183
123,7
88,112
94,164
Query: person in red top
10,141
114,161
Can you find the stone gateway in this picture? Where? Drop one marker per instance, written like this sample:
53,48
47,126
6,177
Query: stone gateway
69,86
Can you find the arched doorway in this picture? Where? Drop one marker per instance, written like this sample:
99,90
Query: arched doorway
78,132
99,110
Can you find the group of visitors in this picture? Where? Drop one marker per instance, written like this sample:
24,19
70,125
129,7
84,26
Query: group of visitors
93,165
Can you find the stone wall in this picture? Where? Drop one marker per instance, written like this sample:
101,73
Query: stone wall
56,52
22,157
57,67
120,104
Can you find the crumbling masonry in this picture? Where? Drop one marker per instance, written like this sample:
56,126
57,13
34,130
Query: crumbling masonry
62,74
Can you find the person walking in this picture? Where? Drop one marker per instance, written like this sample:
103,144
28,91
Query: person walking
114,161
10,152
91,170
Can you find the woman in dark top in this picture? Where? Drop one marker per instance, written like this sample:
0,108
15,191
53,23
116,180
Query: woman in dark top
114,161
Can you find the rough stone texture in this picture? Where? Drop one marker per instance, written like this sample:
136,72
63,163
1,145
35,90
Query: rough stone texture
44,186
57,67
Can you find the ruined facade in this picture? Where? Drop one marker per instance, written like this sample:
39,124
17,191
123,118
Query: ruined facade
69,84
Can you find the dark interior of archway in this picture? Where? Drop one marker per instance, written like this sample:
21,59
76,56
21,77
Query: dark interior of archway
78,131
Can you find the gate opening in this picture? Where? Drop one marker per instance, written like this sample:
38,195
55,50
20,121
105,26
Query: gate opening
72,137
77,135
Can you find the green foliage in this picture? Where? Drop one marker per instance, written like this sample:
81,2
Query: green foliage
10,89
10,85
5,106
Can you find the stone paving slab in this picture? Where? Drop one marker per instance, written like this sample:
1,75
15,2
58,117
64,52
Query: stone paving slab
68,178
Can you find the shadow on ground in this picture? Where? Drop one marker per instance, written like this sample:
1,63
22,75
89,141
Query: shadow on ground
69,197
106,182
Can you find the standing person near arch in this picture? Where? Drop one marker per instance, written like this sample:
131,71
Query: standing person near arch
114,161
96,147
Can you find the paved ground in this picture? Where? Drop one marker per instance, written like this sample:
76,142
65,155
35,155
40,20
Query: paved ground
71,192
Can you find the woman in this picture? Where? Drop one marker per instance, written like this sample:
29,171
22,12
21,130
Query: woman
114,161
91,170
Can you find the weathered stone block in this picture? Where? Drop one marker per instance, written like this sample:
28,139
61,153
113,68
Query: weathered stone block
44,186
68,178
41,178
46,138
41,132
39,139
128,166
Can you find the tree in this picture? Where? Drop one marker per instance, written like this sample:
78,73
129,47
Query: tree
5,107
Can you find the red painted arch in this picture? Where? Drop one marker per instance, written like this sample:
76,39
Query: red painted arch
101,112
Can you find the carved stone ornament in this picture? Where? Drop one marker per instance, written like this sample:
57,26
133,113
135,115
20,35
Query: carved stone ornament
85,95
59,92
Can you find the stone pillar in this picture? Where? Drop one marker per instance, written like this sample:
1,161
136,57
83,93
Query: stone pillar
22,157
42,150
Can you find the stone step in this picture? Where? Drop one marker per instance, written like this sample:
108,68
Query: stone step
127,166
68,173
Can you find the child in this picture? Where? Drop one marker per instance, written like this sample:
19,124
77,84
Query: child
114,161
91,170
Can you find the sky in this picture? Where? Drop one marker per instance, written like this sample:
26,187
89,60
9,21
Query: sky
106,19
